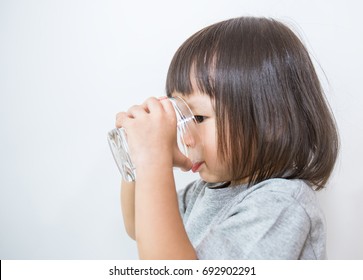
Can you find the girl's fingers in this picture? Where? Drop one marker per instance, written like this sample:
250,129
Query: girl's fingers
181,161
168,106
121,118
133,112
152,105
152,113
137,111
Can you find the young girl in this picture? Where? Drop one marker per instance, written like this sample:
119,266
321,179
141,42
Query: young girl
269,141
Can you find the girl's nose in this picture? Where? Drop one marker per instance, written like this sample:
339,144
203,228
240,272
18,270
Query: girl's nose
189,140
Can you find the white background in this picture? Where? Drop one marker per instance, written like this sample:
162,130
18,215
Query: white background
67,67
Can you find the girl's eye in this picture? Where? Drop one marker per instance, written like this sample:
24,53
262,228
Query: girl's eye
199,119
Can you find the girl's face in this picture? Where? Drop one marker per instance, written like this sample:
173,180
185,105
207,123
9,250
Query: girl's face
210,167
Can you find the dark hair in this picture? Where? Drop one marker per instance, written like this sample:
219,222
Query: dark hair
271,114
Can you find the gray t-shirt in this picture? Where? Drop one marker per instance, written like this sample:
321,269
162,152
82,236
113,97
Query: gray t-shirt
275,219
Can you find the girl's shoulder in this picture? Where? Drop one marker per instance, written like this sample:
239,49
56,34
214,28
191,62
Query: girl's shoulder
289,190
263,218
277,193
277,196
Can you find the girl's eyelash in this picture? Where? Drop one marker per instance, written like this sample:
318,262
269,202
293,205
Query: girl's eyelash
199,118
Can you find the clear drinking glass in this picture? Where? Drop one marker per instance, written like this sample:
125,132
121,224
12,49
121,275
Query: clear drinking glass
188,140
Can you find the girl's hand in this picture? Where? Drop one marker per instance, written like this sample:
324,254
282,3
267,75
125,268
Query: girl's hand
151,134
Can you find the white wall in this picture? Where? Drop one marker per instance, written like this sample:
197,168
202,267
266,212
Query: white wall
67,67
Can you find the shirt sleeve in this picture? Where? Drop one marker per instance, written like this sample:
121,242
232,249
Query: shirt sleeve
269,225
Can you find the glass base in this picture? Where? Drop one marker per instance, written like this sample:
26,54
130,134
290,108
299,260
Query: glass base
118,145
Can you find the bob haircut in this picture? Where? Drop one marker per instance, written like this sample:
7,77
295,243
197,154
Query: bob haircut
272,118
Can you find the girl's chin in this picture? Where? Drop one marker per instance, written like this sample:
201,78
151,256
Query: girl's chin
209,179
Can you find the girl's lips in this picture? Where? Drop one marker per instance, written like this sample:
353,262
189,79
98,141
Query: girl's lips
196,166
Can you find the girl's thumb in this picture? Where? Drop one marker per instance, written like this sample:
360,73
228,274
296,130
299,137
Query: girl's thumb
180,160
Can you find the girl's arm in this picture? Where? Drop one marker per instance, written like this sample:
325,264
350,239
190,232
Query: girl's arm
154,233
128,207
160,231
